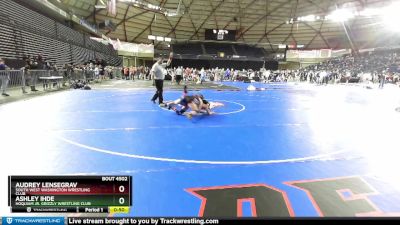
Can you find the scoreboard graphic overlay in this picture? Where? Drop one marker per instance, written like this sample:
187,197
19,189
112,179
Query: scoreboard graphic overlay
80,194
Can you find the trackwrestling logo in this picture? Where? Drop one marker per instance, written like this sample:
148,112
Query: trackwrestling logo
33,220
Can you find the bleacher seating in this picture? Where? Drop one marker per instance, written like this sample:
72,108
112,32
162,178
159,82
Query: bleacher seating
249,51
99,47
188,49
57,51
195,51
213,49
26,32
28,18
69,35
81,55
7,48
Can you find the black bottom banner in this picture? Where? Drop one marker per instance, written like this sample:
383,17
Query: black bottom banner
211,221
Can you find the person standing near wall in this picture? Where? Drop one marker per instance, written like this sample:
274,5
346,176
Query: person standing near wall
158,74
4,77
147,72
202,75
173,74
382,79
126,73
33,73
179,75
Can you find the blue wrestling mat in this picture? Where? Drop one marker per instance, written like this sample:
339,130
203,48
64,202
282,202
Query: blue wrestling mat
291,150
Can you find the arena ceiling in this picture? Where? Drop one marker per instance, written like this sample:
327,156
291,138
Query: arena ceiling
259,22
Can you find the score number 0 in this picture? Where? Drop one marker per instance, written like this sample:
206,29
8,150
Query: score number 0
121,189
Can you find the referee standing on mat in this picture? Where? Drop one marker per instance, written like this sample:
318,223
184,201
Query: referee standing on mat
158,73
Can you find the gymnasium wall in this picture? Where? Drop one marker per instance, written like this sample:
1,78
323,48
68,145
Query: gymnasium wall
235,64
26,32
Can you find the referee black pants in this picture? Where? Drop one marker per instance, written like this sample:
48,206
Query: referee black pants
159,92
178,79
